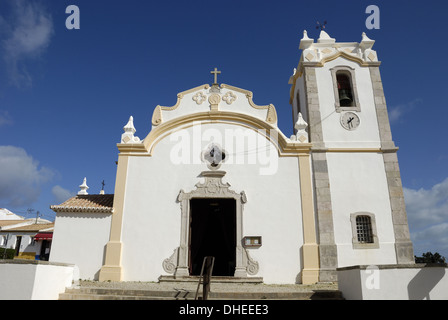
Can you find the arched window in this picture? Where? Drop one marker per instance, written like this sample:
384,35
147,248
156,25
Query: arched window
345,91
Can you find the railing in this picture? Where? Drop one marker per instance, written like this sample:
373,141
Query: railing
205,277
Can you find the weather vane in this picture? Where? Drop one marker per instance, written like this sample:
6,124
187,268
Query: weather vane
103,184
320,25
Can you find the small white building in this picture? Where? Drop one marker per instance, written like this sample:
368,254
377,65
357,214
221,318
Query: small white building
215,176
30,238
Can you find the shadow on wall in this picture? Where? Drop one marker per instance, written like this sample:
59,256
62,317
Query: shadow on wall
425,281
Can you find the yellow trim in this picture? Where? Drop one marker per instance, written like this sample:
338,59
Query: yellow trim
346,55
272,112
112,270
322,62
284,145
26,255
157,114
310,249
348,150
355,150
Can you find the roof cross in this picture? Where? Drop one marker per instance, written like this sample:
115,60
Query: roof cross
215,73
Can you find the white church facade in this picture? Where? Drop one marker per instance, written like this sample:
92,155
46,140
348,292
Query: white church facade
215,176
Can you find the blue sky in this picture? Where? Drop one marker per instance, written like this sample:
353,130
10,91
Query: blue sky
65,95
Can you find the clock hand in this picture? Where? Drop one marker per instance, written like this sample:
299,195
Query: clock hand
349,122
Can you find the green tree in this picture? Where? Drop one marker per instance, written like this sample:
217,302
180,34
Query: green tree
430,257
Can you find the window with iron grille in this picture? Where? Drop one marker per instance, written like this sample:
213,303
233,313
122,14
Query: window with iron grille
364,229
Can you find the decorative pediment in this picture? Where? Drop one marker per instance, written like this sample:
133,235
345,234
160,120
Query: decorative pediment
214,99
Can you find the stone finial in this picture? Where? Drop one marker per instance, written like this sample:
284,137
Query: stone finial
300,126
325,38
129,127
306,42
83,188
129,130
366,43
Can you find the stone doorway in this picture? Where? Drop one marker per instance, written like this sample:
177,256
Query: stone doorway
214,190
213,233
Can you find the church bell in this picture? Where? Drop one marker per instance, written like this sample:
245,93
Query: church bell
345,98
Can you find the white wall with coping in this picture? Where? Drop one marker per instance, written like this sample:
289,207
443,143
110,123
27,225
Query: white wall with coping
358,184
35,280
394,282
151,213
80,239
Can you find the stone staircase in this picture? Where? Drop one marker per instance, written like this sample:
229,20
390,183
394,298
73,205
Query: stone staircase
187,291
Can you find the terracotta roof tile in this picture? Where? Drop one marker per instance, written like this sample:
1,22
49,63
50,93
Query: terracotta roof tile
95,203
4,223
33,227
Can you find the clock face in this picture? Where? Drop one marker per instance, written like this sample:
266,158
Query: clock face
350,121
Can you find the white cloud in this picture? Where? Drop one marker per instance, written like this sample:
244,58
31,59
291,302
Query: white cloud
428,218
5,118
60,194
397,113
21,177
434,239
26,33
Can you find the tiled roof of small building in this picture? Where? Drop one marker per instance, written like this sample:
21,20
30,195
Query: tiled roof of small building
33,227
95,203
4,223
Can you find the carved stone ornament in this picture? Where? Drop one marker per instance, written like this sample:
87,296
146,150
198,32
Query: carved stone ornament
229,97
213,184
199,98
214,101
252,266
170,264
214,156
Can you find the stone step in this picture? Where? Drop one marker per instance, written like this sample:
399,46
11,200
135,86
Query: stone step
92,293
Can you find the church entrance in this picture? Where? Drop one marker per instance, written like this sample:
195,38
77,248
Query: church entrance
213,233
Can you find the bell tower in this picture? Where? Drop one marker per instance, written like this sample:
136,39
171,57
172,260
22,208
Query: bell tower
358,195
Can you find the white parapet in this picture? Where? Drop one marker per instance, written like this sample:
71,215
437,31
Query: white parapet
35,280
394,282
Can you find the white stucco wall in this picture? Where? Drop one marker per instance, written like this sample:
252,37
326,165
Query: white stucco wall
152,226
80,239
358,184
